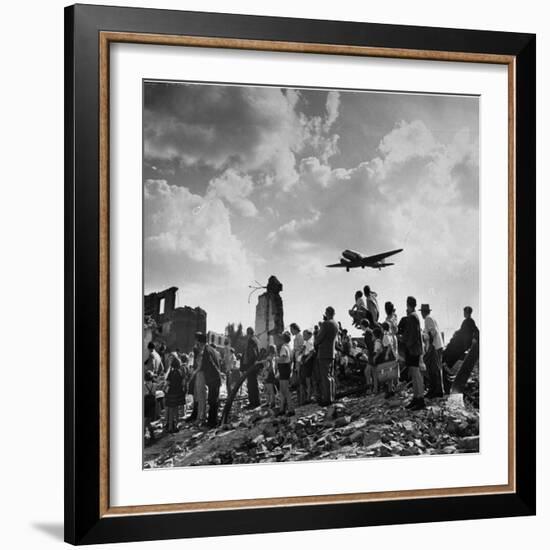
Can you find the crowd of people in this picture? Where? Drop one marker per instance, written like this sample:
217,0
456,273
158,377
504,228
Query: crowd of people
302,366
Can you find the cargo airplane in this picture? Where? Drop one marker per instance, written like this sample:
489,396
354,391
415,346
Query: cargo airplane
351,259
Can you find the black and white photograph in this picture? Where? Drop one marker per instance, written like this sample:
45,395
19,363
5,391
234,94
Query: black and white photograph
310,274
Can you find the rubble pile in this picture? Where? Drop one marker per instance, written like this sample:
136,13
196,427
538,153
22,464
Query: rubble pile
354,427
471,391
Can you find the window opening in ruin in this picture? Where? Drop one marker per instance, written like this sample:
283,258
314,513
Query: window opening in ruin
161,306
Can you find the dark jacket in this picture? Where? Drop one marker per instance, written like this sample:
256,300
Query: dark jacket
326,339
210,365
468,331
368,338
412,336
251,352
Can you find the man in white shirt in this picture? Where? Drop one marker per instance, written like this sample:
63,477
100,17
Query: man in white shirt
433,350
154,362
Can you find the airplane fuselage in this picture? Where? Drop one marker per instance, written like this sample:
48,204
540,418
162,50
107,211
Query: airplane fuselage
351,255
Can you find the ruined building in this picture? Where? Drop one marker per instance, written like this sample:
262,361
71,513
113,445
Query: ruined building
174,326
269,314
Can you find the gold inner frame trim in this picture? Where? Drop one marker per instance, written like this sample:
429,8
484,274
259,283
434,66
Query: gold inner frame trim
105,39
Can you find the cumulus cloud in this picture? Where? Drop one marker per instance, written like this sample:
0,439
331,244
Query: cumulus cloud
188,236
313,172
234,188
246,129
332,106
291,229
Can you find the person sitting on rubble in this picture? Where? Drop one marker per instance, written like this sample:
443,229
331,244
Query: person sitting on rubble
371,299
284,368
460,343
268,376
359,310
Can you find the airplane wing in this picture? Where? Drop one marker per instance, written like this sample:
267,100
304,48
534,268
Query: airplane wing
378,257
338,265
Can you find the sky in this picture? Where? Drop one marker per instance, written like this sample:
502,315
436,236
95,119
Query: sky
244,182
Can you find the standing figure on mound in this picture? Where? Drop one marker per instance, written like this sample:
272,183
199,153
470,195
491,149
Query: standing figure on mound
284,369
412,340
250,357
325,342
433,353
207,381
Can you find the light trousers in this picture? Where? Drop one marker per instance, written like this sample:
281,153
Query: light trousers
417,382
200,396
284,396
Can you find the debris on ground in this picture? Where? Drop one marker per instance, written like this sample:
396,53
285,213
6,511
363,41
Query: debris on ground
354,427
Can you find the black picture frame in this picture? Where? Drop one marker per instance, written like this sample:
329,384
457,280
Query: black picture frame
84,524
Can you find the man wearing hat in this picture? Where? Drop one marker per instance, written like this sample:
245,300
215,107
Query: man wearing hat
325,341
433,349
412,340
207,369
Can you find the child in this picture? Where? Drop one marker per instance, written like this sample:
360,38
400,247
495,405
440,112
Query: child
376,357
268,375
174,394
284,364
149,404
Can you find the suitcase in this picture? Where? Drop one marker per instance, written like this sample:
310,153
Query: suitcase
387,372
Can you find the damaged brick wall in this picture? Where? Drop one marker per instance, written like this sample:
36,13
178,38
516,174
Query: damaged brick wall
175,326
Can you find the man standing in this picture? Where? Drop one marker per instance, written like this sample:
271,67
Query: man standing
412,340
433,352
250,357
207,378
325,342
